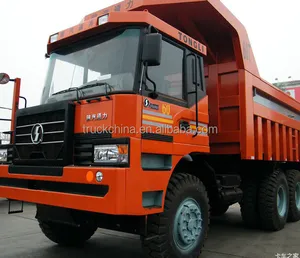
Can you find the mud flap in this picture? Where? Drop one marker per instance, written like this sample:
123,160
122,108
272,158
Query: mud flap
14,211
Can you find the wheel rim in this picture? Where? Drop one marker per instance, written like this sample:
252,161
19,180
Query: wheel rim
281,201
297,195
187,225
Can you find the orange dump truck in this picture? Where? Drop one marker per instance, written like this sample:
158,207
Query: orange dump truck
153,118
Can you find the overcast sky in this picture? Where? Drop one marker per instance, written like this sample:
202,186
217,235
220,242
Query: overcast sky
273,28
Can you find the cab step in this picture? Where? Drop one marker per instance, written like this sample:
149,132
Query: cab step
15,211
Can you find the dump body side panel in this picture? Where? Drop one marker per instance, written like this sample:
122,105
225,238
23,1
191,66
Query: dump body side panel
276,123
254,119
223,89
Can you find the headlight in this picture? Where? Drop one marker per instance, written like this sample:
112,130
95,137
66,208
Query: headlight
116,153
103,19
3,155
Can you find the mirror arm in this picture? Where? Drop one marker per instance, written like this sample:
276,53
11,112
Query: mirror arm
147,77
25,101
153,94
143,82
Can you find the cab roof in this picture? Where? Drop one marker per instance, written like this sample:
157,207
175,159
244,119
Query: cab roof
208,21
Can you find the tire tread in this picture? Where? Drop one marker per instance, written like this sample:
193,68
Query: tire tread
249,203
267,205
294,214
66,235
157,247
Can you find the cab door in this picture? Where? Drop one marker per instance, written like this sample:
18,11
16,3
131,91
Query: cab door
169,120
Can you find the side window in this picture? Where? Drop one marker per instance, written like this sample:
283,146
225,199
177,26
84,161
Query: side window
169,75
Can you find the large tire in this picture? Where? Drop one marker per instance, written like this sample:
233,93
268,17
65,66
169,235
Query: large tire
218,208
66,235
274,201
293,177
176,232
249,203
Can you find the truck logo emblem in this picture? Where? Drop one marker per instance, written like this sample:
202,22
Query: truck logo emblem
37,134
148,104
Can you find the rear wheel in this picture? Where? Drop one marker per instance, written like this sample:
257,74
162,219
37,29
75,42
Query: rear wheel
274,201
293,177
180,231
66,235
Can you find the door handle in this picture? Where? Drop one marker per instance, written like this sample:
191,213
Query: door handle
184,125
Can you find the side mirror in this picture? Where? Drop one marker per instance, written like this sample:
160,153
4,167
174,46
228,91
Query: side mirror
152,49
4,78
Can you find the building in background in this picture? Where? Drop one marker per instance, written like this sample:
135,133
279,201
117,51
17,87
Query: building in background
292,88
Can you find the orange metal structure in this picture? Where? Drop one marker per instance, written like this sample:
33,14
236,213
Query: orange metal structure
255,121
231,74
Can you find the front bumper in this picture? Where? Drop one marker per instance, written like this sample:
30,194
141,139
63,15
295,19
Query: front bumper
75,190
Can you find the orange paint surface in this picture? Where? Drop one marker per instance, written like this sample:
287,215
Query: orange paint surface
245,128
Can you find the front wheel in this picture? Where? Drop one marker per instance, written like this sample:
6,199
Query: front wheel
66,235
180,231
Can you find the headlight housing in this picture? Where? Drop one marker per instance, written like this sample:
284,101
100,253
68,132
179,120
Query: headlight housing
3,155
112,154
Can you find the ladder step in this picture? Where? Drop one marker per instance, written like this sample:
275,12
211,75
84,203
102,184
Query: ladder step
10,211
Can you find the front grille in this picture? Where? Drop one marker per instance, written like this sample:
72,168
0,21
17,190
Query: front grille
83,154
57,122
10,154
53,138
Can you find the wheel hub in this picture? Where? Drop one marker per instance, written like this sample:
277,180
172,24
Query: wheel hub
297,195
188,224
281,201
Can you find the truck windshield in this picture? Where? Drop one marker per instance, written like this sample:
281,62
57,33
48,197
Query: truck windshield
111,60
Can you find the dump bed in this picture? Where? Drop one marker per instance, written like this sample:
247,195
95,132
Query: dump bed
254,119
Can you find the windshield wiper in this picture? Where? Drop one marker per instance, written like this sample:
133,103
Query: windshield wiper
77,89
99,84
65,91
